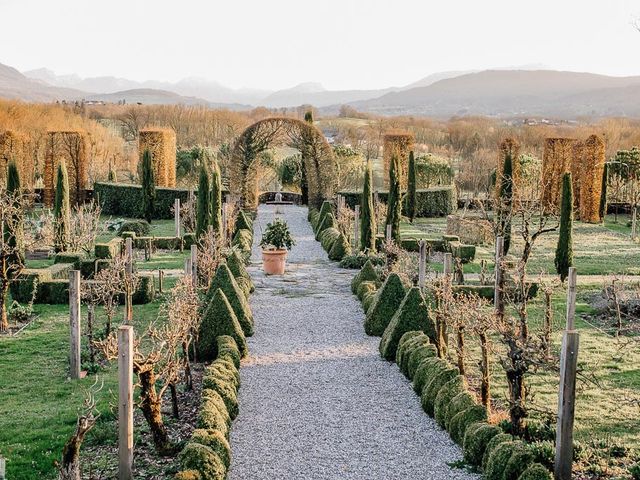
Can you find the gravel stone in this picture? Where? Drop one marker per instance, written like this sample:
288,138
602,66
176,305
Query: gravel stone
317,401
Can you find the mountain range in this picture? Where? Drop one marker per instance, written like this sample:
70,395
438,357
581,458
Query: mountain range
517,92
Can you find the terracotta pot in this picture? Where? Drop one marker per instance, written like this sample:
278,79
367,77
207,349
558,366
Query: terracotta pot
273,261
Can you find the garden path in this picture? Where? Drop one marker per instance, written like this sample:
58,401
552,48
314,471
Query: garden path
317,401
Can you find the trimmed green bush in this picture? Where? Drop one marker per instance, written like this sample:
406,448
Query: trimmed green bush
215,440
218,319
430,202
499,458
328,236
73,258
366,274
327,222
203,211
239,271
536,471
492,445
403,353
356,261
386,303
461,420
243,240
427,371
215,199
243,222
564,249
225,388
466,253
459,403
394,202
418,355
140,228
188,475
225,370
111,249
410,199
228,350
339,249
203,460
431,388
313,216
367,214
148,187
61,209
367,301
521,458
325,209
146,290
214,401
476,441
224,280
448,391
412,314
364,288
403,342
188,239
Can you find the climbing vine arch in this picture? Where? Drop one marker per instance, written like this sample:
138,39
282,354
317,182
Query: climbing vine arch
317,156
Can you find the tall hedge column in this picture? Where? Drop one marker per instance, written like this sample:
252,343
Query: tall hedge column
564,250
12,238
603,192
411,188
394,205
506,201
367,214
216,199
61,209
203,213
304,187
148,187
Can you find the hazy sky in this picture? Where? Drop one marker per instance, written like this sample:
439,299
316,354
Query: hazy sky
339,43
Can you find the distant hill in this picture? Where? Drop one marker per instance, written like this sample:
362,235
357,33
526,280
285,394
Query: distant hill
513,92
15,85
314,94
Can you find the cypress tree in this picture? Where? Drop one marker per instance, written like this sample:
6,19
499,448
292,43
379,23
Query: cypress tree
367,214
603,192
564,250
148,187
113,176
216,199
411,188
12,237
394,205
13,178
506,200
203,214
304,187
61,209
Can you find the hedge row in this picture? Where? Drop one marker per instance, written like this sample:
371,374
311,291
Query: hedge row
325,229
430,202
444,396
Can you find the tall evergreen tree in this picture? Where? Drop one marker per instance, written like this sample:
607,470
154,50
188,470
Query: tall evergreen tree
13,178
367,213
564,250
394,202
148,187
304,186
203,213
61,209
216,199
112,176
506,200
411,188
603,192
13,233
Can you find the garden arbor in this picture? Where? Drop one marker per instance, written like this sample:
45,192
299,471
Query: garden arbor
316,154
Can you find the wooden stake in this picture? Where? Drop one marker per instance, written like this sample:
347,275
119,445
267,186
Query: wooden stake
74,323
356,228
194,265
160,280
634,223
448,264
128,303
187,267
125,402
422,266
224,221
388,237
567,393
176,216
497,294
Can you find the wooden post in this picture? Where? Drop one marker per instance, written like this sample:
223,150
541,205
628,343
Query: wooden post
125,402
422,266
128,307
448,264
497,294
176,216
194,265
160,280
187,267
224,221
356,228
388,233
634,223
74,323
567,393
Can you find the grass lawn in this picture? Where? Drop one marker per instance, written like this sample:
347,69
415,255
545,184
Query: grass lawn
39,404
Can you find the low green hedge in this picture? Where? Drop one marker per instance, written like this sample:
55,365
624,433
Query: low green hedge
73,258
476,440
432,388
138,227
430,202
449,390
459,423
110,249
466,253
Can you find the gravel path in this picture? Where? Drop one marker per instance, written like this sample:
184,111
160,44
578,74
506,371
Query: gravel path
317,401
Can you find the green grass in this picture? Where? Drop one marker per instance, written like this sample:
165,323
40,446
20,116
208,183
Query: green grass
159,228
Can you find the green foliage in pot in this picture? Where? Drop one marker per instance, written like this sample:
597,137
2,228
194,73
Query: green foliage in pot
277,236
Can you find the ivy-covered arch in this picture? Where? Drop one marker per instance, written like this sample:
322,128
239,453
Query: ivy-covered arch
317,156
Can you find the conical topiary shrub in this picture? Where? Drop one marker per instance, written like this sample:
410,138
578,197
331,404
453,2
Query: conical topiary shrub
340,248
366,274
218,319
242,223
239,271
325,209
224,280
215,199
413,314
327,222
328,236
386,303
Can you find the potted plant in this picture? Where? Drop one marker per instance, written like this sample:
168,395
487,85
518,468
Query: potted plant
276,240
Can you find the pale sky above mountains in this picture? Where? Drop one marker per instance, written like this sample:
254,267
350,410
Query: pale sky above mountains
342,44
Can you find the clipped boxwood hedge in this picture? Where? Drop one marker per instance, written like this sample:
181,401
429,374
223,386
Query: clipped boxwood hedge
430,202
386,303
427,371
499,459
492,445
475,442
461,420
418,355
403,356
448,391
431,388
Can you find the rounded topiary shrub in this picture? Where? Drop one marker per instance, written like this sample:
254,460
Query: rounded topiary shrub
339,248
228,349
367,301
460,402
213,416
403,341
327,237
364,288
226,390
536,471
366,274
188,475
499,458
420,353
521,458
459,423
385,305
403,354
492,445
449,390
204,460
216,441
431,389
224,369
224,280
140,227
426,372
476,440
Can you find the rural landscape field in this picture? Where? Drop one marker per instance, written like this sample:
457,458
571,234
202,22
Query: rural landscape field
339,241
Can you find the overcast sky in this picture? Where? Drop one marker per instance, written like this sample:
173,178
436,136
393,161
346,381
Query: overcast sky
343,44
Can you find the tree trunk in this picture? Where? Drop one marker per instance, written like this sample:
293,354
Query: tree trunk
460,339
485,387
4,320
70,467
515,371
175,411
187,366
90,321
150,404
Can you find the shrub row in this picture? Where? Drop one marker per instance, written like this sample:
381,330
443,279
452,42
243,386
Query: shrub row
444,396
430,202
161,243
324,225
446,244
